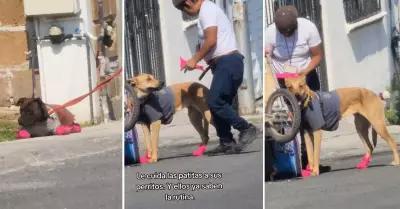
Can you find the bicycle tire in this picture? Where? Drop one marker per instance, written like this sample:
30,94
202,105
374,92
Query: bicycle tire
273,133
130,120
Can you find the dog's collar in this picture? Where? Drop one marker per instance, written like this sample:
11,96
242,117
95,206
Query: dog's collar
308,100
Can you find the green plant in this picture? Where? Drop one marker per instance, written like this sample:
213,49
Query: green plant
392,109
8,130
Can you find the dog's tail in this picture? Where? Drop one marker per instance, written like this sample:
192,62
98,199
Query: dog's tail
374,137
385,95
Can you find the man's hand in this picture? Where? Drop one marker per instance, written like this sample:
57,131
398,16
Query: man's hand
190,64
303,73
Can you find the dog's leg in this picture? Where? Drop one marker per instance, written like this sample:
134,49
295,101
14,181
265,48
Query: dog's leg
362,127
380,128
310,150
147,138
155,132
196,118
317,135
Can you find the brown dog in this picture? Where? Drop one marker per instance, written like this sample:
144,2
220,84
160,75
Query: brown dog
365,105
160,109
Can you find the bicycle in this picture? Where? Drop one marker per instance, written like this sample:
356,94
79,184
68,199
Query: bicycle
282,112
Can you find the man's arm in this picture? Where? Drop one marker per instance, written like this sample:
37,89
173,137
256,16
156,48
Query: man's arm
316,57
314,42
210,34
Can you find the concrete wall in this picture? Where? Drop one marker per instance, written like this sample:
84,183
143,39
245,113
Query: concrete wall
179,38
15,79
360,57
64,67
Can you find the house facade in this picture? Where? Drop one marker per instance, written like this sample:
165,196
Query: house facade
356,40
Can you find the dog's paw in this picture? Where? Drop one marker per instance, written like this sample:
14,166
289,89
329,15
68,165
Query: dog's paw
309,168
394,163
63,130
144,159
364,162
76,128
153,160
22,134
315,173
305,173
200,151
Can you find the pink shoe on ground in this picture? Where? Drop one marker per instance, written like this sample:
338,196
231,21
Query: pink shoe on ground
76,128
145,158
364,162
62,130
22,134
200,151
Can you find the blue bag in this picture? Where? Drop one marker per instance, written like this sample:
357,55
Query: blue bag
287,158
131,147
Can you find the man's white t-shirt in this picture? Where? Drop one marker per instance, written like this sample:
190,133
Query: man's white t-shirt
211,15
297,46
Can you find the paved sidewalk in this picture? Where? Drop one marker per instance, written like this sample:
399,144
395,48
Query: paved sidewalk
182,132
345,141
16,155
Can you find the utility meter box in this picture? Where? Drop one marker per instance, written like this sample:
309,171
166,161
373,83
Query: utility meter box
51,7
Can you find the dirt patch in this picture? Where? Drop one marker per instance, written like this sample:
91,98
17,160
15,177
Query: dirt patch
12,12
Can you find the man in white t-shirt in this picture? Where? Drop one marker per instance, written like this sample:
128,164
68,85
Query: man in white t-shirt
218,48
294,41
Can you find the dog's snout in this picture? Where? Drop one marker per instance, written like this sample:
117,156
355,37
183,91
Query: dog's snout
297,94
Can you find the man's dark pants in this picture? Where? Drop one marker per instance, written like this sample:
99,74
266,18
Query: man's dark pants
227,78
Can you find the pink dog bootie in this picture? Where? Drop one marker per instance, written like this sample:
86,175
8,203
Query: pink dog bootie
62,130
306,172
76,128
200,151
145,158
364,162
22,134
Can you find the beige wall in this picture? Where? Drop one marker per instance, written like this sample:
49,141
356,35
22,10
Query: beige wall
15,78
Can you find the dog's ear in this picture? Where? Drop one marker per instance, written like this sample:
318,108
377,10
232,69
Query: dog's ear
38,99
43,107
21,101
133,81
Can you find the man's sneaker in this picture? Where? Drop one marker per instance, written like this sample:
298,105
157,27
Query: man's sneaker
227,148
246,137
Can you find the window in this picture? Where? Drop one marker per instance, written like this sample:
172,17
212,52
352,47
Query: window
356,10
188,18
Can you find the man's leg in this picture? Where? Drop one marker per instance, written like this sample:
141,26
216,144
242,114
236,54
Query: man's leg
228,76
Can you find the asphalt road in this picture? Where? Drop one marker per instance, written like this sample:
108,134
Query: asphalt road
91,182
235,180
345,187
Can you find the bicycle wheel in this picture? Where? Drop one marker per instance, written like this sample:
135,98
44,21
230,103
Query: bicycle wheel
131,108
282,126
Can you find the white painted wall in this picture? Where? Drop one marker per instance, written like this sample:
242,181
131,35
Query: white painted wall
361,57
180,40
64,67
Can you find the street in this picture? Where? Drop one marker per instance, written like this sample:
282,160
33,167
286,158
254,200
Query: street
63,172
344,187
236,181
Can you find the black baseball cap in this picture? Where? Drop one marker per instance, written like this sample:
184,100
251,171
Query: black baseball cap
286,19
178,3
